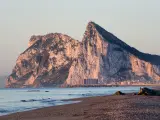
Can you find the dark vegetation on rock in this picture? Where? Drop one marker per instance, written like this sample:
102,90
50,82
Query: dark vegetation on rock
154,59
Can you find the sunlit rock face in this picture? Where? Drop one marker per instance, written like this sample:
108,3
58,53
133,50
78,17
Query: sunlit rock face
46,62
109,60
57,59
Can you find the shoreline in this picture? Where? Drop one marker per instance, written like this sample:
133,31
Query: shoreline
123,107
134,85
69,101
50,100
83,86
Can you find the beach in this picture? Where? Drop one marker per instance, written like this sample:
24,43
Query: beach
113,107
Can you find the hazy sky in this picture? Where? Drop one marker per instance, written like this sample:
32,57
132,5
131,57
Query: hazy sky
137,22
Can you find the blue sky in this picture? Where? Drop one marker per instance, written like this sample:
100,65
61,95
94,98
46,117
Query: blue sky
136,22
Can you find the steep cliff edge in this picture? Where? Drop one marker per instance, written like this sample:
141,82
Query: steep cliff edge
57,59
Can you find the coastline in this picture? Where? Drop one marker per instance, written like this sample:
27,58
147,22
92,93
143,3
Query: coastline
118,85
123,107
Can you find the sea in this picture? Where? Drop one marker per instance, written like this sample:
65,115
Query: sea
18,100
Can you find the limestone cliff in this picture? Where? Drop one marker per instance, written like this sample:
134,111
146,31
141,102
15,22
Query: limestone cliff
57,59
46,62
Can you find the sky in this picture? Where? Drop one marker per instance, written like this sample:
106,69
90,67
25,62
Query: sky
136,22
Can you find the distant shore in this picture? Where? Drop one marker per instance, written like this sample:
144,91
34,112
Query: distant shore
121,107
72,86
98,85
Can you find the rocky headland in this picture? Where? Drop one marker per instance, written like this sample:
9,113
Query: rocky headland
100,59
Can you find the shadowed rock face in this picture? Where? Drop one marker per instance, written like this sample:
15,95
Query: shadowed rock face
57,59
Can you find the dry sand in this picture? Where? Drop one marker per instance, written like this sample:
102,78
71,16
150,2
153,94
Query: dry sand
127,107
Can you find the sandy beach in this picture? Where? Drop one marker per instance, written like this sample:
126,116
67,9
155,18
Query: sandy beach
124,107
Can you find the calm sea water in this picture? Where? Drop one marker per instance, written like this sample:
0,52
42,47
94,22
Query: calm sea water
17,100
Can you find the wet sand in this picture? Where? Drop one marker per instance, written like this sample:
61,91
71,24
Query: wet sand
126,107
